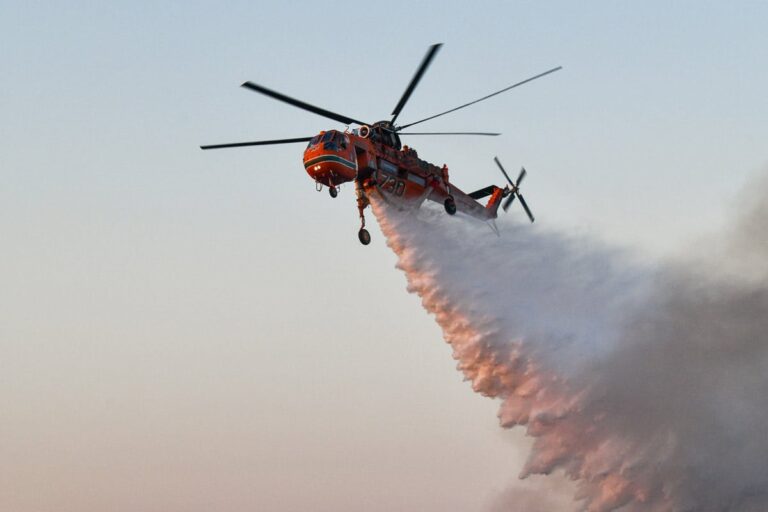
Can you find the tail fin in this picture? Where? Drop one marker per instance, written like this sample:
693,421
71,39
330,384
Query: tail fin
493,203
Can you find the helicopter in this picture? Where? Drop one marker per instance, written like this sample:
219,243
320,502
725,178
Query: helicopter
374,158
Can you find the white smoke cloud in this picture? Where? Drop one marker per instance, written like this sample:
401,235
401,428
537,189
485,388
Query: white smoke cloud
550,493
648,387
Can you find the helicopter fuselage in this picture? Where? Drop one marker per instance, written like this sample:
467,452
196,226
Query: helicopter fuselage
397,174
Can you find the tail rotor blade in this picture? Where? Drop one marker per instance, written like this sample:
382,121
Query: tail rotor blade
496,159
521,177
525,207
514,189
508,202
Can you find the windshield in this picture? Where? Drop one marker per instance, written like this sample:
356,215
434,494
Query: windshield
331,141
314,141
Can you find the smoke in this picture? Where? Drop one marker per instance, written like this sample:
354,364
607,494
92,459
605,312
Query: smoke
536,494
648,387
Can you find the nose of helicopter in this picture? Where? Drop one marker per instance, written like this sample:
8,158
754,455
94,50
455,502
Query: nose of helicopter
330,159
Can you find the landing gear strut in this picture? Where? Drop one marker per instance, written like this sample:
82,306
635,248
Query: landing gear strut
333,191
362,202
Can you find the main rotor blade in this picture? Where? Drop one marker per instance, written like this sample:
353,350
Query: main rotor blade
521,176
525,206
508,202
415,80
496,159
298,103
256,143
483,98
449,133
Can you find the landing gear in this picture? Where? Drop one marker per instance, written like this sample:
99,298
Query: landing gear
362,202
333,191
450,205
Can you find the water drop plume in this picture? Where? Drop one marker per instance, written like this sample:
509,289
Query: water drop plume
647,385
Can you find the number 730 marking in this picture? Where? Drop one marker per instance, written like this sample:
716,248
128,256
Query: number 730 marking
393,185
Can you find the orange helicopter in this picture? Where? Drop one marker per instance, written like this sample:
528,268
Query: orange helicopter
373,157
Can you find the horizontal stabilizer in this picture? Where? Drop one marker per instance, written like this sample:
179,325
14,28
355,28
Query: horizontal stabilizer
483,192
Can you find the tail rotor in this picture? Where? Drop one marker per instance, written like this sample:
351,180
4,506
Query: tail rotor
513,189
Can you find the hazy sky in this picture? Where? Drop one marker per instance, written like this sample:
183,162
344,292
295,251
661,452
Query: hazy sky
188,331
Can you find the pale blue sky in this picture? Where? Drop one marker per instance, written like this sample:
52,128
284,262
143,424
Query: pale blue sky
206,326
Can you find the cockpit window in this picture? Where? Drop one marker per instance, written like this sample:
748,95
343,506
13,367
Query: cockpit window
314,141
330,141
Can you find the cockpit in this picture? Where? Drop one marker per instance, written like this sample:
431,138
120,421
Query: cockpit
331,141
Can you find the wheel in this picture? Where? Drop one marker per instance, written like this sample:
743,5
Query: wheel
333,191
364,236
450,206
